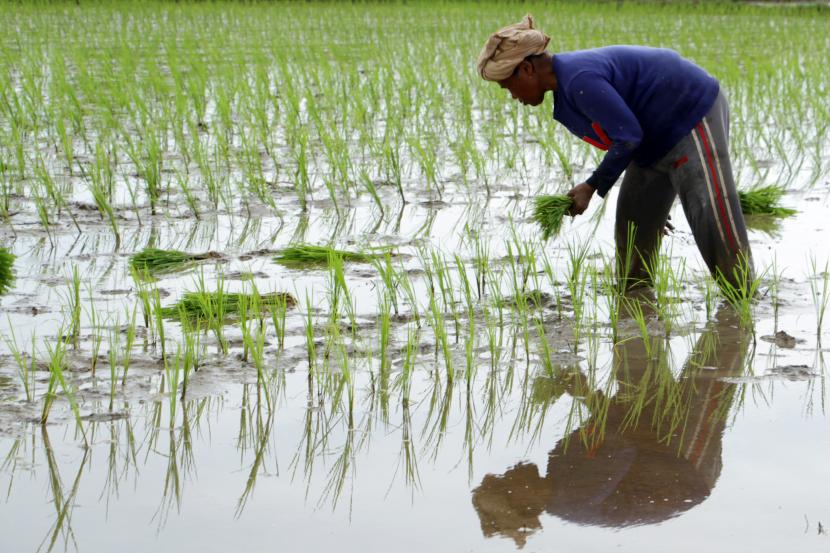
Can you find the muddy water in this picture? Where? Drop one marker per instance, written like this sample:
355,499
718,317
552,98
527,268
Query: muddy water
712,439
713,456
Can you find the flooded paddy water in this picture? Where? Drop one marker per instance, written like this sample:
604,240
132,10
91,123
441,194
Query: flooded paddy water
463,387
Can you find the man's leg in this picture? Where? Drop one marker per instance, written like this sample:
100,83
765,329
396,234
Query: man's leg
646,196
701,173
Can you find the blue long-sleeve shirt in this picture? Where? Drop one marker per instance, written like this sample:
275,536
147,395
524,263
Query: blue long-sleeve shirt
633,101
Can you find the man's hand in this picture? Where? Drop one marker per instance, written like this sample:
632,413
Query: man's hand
581,194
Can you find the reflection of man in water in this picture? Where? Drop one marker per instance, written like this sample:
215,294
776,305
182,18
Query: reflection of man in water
650,452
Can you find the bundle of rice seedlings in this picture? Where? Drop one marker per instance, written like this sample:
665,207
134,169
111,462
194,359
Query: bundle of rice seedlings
305,255
549,211
152,261
6,274
203,305
764,201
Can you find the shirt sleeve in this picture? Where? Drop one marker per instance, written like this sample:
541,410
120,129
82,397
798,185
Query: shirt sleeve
594,96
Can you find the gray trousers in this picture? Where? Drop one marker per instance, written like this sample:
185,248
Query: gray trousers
697,170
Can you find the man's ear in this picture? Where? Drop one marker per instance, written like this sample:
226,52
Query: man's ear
527,67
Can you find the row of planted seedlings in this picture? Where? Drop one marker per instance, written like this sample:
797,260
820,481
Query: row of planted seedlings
202,131
470,333
468,312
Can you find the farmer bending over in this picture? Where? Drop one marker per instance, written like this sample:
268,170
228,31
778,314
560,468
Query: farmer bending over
660,118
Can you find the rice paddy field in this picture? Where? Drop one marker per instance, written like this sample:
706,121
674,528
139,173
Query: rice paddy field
272,278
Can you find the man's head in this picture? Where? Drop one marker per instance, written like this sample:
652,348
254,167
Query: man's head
525,83
515,58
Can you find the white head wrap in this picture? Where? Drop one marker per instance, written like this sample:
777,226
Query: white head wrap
507,47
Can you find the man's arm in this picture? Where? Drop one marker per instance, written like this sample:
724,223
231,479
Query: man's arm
601,104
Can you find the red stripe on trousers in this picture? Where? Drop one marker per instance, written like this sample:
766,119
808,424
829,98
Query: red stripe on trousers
711,163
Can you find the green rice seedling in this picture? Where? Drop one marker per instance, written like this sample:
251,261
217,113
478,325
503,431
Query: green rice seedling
408,289
820,291
127,353
666,286
409,360
187,190
153,261
612,299
388,276
764,200
112,358
440,331
469,339
254,340
278,309
710,294
635,310
57,363
97,334
75,305
340,295
245,303
548,213
99,183
742,296
311,347
307,255
158,316
191,353
6,270
26,370
577,280
384,331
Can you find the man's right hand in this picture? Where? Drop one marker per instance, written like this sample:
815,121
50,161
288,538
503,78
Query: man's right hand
581,195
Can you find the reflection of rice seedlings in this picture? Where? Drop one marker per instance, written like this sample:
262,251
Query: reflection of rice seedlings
6,273
764,222
548,212
305,255
764,200
153,261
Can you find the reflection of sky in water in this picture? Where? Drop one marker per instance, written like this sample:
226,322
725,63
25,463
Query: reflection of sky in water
773,470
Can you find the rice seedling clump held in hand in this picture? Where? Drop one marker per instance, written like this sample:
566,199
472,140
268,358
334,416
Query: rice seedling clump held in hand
548,213
764,201
153,261
6,274
304,255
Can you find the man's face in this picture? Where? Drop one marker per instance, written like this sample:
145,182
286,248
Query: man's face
524,84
